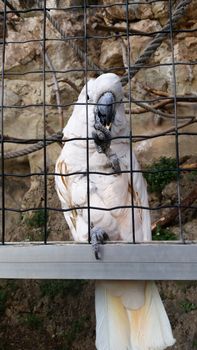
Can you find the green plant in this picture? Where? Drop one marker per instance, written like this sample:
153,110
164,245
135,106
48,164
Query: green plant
3,300
163,234
62,287
36,222
3,344
35,236
12,286
75,329
187,306
194,344
32,321
192,176
37,219
160,173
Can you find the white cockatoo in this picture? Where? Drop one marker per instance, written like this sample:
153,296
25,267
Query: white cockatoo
129,314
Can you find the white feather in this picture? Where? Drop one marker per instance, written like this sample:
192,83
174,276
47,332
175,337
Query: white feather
112,326
129,315
135,319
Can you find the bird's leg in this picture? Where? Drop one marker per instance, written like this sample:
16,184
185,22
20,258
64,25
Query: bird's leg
98,235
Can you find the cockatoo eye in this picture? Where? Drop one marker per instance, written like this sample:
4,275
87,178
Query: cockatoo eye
88,97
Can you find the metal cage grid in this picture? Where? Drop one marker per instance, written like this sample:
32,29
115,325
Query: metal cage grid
184,261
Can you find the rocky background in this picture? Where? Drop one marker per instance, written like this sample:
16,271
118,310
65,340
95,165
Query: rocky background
60,314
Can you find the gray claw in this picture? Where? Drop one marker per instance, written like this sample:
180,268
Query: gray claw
102,144
114,161
98,235
102,139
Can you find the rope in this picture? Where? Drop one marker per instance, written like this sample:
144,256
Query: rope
144,57
156,42
75,47
36,147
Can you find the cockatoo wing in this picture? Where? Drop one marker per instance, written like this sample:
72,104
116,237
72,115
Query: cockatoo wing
140,199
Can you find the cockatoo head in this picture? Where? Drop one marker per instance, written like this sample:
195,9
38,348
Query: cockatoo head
106,94
103,95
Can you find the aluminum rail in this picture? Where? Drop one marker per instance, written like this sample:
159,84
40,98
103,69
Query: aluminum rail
57,260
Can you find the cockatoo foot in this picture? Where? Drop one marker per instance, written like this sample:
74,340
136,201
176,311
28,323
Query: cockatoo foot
98,235
102,144
102,137
101,140
113,158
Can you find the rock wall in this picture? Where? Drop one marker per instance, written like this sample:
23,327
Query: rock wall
24,118
23,84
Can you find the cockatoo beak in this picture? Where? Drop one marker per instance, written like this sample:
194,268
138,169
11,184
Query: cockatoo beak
105,110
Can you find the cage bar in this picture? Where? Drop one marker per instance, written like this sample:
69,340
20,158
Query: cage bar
146,261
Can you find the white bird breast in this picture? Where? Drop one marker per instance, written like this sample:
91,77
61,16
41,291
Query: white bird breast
105,191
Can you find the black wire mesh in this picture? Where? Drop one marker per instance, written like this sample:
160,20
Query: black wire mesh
86,67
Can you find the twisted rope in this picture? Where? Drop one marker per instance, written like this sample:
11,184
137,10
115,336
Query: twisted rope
143,58
156,42
75,47
36,147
